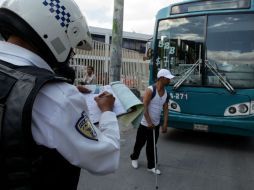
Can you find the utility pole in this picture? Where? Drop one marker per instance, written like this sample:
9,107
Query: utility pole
116,46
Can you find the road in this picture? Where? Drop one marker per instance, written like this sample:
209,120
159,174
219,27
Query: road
188,161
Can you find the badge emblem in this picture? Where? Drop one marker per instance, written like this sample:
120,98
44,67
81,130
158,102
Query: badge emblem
85,127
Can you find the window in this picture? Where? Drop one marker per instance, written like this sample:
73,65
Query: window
179,44
230,48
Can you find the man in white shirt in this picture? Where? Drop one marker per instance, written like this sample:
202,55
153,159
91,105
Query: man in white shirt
155,101
90,77
41,36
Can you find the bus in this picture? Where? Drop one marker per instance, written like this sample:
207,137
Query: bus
209,46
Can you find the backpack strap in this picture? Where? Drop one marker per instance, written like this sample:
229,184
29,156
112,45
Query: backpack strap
154,91
167,99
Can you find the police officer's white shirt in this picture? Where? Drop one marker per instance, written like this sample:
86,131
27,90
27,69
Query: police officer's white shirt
56,111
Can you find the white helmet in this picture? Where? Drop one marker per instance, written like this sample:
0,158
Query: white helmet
57,25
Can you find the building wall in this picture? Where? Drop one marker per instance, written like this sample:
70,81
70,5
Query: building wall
131,40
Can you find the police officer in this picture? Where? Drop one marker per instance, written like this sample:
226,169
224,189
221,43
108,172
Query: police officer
46,135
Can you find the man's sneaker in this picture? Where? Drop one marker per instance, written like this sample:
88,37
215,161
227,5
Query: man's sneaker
157,171
134,163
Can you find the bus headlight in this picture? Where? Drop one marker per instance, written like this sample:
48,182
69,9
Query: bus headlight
243,108
232,110
239,109
173,106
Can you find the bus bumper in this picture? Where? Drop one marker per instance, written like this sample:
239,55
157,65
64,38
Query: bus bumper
229,125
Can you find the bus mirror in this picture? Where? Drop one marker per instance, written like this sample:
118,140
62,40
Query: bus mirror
148,54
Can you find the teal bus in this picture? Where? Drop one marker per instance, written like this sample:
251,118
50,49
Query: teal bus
209,46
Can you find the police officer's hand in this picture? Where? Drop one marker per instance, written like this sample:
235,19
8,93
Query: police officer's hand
83,89
105,101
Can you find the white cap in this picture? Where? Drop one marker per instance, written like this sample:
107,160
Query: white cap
165,73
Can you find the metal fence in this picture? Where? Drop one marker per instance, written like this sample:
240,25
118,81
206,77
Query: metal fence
134,70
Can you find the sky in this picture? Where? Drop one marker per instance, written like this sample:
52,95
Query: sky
139,15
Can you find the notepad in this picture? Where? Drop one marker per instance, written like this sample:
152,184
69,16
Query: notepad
127,106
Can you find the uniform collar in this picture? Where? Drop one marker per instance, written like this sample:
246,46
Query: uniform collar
17,55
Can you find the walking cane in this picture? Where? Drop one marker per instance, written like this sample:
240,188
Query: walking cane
155,160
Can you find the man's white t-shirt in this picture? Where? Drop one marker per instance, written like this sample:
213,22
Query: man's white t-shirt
155,107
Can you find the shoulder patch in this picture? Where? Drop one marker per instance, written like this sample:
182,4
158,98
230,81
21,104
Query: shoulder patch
85,127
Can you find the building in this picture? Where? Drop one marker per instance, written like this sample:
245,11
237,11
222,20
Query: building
131,40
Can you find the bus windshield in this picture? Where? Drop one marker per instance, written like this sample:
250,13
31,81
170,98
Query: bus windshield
226,42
